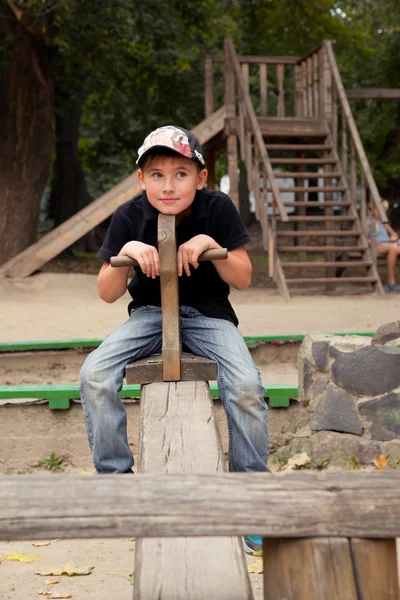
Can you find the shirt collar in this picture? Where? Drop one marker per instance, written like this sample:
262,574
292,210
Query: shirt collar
198,207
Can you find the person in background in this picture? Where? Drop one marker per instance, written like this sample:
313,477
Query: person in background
387,244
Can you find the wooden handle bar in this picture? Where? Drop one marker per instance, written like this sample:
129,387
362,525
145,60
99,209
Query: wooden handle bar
127,261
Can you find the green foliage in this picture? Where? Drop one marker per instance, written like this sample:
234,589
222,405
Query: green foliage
134,68
53,463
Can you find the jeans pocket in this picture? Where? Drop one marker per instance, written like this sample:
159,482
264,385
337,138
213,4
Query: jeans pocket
134,311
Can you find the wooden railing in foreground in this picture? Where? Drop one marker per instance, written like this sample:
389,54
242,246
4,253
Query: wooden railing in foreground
254,154
325,535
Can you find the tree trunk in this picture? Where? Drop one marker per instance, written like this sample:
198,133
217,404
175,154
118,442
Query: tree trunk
26,114
69,193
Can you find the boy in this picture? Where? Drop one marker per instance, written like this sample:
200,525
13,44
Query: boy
172,175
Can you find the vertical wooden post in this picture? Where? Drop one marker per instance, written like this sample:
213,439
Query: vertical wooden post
257,191
363,205
280,74
344,144
327,89
298,103
231,137
315,85
353,174
334,116
263,90
171,339
321,83
329,569
375,568
300,210
211,170
304,88
310,86
208,87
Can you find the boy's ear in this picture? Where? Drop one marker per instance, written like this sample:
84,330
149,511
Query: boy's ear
201,179
141,179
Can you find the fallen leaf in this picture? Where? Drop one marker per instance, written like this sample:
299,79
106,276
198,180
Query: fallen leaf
256,567
381,463
40,544
51,581
54,595
68,569
132,539
24,558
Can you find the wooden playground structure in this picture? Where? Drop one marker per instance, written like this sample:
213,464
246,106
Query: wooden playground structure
287,120
324,536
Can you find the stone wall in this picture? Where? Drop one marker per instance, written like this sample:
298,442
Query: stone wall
351,388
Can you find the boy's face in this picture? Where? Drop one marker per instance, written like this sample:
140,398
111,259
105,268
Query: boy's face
171,183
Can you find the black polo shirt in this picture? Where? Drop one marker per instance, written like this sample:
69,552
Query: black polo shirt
213,213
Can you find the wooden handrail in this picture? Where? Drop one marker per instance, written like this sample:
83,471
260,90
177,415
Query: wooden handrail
310,53
263,154
267,60
354,131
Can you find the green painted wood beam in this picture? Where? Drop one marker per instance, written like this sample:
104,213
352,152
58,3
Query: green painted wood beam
59,396
251,341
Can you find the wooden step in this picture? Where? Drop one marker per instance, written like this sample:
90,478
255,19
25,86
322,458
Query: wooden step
321,265
300,147
316,204
304,161
298,280
314,218
292,127
306,175
327,188
318,233
336,249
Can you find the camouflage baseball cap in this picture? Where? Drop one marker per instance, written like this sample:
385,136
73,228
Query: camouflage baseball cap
177,139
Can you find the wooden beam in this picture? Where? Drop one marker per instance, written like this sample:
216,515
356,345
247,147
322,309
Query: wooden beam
171,338
341,504
73,229
268,60
178,434
369,93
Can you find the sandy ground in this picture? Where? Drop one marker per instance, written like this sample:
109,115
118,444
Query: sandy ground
66,306
52,306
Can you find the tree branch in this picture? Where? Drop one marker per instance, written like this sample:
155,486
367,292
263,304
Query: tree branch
17,11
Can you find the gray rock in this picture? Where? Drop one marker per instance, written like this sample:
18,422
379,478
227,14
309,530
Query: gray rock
384,416
386,333
320,354
367,371
341,447
336,412
392,450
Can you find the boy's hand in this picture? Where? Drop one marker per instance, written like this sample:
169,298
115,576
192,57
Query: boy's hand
147,257
189,252
394,237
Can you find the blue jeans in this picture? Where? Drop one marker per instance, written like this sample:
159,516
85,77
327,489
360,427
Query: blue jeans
239,382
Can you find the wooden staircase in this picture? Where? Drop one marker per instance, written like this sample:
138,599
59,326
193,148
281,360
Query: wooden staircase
323,241
311,178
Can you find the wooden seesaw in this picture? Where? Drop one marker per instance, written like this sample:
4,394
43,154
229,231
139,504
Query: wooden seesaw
326,536
178,435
